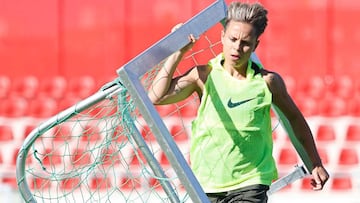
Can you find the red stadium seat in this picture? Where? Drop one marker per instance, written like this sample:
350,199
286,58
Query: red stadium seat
43,107
353,133
188,109
288,156
6,133
14,107
91,133
313,87
119,135
80,157
110,157
54,87
83,86
275,135
5,86
166,110
343,87
130,184
39,184
307,105
154,184
348,157
333,106
325,133
163,160
147,134
26,87
353,107
62,133
100,183
135,159
28,129
342,183
51,157
179,133
10,181
70,183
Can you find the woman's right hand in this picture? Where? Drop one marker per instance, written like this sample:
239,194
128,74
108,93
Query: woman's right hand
191,38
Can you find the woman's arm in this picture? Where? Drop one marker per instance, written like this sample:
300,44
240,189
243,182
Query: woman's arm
301,129
165,89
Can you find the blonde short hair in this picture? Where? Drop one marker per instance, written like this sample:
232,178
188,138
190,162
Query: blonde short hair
254,14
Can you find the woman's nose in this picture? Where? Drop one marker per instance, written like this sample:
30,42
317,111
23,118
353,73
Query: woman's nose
237,45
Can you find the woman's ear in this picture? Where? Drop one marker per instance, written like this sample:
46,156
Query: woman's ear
222,36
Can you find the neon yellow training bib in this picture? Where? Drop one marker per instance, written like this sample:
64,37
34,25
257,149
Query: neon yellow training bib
231,143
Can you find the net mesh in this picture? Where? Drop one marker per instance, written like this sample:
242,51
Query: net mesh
92,157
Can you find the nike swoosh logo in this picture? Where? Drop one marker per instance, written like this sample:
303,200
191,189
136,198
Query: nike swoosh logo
233,105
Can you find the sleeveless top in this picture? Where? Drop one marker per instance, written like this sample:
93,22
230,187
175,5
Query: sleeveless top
231,140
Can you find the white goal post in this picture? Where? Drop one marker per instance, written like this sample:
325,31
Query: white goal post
130,75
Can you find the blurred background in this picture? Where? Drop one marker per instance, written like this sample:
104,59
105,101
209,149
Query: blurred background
54,53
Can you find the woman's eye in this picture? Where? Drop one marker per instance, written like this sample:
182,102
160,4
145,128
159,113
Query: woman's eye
245,43
233,39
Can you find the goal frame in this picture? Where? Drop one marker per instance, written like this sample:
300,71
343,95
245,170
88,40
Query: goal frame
131,73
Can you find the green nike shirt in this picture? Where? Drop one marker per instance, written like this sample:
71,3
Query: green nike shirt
231,142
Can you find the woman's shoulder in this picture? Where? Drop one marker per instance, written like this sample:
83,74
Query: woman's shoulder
273,80
270,76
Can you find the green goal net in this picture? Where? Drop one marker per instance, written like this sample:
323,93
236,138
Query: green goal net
92,157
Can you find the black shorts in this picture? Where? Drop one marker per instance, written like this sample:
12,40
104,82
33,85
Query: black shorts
249,194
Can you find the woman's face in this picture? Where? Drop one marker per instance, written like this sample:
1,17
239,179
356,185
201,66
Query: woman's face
239,41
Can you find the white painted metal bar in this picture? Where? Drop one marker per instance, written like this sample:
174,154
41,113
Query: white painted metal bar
131,72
